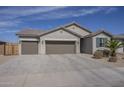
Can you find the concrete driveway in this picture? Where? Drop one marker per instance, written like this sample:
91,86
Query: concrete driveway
59,71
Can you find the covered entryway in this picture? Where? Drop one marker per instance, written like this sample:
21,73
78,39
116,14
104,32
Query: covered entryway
29,47
60,47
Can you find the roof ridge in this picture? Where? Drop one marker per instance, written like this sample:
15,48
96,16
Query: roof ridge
77,24
47,31
98,32
61,28
72,32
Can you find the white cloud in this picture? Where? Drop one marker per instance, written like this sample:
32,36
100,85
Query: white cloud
9,23
13,12
7,31
84,12
112,9
10,17
50,12
73,13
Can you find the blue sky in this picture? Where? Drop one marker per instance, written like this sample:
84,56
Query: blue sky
14,19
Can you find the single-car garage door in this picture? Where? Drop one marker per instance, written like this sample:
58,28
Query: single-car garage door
29,47
60,47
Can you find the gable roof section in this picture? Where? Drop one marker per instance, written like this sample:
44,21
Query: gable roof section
59,28
37,33
76,24
30,32
97,33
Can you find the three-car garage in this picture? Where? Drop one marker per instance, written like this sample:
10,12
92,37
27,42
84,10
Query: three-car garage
56,41
52,47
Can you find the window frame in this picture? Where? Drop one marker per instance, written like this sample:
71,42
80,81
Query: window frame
100,41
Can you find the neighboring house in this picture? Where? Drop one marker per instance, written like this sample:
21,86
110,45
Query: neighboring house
71,38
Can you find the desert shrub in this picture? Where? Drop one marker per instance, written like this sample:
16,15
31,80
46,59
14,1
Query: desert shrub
112,59
98,54
106,53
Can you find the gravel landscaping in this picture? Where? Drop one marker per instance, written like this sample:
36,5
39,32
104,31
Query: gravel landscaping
119,63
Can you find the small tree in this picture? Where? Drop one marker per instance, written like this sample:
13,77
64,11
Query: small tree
113,45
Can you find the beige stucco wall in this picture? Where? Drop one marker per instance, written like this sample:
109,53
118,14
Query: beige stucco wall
78,30
59,35
19,47
102,35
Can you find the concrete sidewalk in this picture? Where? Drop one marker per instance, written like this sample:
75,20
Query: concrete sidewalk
70,70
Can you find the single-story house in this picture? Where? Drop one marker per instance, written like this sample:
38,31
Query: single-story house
70,38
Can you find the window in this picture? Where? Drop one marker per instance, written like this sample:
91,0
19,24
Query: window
100,42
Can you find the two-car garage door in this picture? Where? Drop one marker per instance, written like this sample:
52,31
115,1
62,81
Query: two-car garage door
60,47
